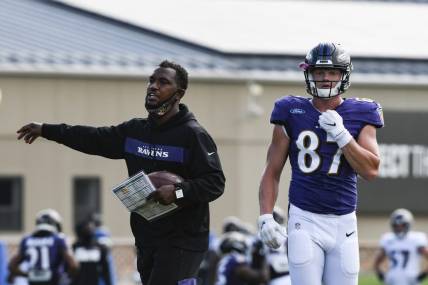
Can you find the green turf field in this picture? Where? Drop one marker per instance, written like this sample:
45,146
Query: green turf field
372,280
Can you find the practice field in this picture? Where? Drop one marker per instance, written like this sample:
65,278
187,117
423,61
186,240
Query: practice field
372,280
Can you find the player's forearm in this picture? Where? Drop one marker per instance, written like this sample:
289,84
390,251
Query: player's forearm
364,162
14,266
377,268
268,193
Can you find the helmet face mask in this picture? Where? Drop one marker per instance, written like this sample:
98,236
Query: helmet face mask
332,89
401,221
327,56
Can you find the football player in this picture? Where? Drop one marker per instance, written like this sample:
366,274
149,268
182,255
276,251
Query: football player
329,140
44,252
102,234
234,267
404,249
93,256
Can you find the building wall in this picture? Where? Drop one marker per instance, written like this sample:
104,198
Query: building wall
225,108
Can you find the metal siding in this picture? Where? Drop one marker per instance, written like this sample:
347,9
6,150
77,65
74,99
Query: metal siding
39,35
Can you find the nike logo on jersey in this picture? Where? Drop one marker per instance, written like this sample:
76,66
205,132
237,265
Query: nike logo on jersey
333,125
350,234
211,153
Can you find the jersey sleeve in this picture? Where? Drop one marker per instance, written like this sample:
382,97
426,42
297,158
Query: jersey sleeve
280,112
384,240
22,246
61,242
371,112
422,240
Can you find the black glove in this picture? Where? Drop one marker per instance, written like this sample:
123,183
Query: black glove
422,276
380,275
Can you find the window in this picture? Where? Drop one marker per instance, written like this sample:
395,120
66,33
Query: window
86,197
11,203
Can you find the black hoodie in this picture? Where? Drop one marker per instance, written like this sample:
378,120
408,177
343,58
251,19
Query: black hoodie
180,146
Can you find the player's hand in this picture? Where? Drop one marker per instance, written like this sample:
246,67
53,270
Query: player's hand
332,123
30,132
380,275
272,234
164,194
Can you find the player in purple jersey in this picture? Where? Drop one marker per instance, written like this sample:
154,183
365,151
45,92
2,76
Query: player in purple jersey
44,251
329,141
234,267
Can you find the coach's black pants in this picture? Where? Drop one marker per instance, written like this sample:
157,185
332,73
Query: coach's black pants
167,265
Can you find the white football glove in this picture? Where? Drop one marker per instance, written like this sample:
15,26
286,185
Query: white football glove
271,233
331,122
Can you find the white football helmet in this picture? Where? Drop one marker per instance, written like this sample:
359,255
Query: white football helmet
401,221
49,220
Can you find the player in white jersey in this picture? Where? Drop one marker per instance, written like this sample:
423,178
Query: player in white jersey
329,140
403,249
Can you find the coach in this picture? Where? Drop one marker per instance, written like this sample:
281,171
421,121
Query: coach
171,248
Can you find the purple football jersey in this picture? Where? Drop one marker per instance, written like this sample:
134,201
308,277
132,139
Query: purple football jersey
226,268
44,255
322,180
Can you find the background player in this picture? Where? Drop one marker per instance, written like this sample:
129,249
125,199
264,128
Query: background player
234,267
329,140
91,255
44,251
403,249
103,236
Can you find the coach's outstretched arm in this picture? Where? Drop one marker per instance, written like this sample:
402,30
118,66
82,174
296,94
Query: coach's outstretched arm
30,132
103,141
